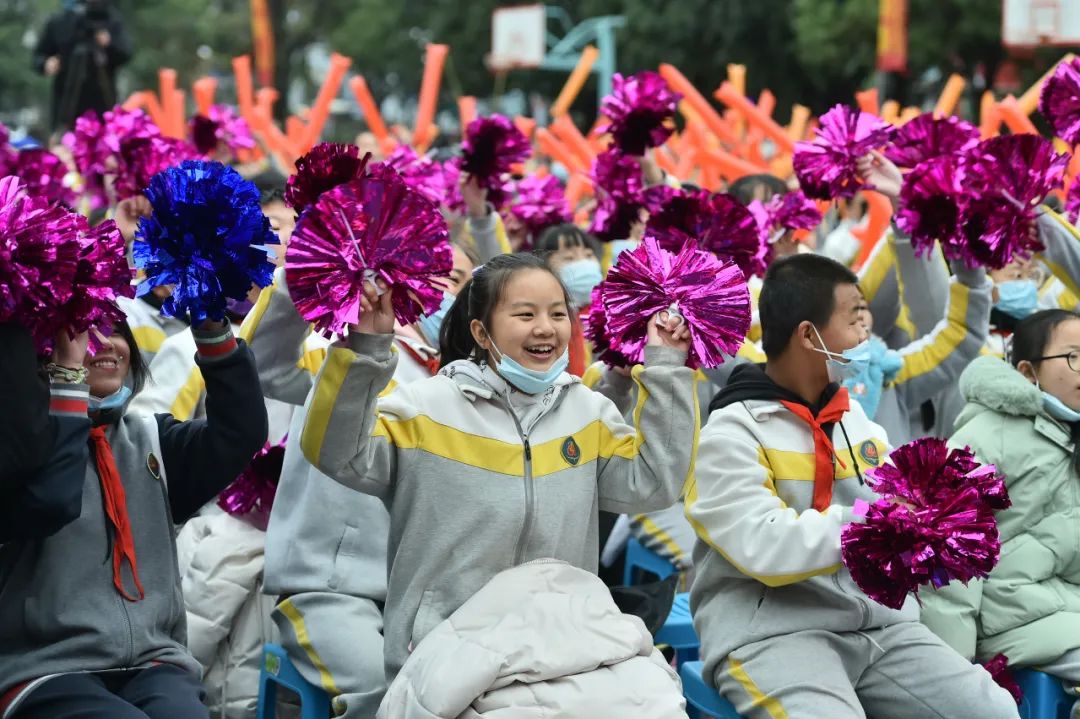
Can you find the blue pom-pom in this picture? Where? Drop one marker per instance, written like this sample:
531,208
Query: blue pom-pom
207,237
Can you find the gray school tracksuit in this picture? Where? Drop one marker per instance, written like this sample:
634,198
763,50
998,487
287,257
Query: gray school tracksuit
59,610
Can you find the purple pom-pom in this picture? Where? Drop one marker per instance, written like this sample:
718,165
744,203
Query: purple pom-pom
251,495
711,296
540,203
998,668
718,223
826,166
376,227
220,126
1006,178
935,525
931,201
45,175
620,199
323,168
925,137
141,158
596,334
39,254
1059,101
782,213
420,173
492,145
641,110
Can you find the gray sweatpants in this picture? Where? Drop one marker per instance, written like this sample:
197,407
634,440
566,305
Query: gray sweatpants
336,642
899,672
1067,669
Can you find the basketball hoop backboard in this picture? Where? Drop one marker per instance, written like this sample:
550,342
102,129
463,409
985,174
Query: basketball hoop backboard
1035,23
518,37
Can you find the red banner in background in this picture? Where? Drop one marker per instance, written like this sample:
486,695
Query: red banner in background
262,40
892,43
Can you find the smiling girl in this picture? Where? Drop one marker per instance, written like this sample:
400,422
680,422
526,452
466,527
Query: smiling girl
502,458
91,615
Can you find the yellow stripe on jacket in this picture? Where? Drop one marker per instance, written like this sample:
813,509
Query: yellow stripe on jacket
926,359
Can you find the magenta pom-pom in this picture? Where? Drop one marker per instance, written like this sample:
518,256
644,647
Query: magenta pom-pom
620,198
718,223
931,201
1059,101
45,175
323,168
934,525
221,126
826,166
251,496
596,334
1072,203
372,228
540,202
493,145
1006,179
926,136
39,255
141,158
998,668
711,296
783,213
640,110
420,173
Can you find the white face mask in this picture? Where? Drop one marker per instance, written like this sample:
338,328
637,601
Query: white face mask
1056,408
847,365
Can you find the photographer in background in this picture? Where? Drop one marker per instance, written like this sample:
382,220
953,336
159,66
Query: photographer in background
81,48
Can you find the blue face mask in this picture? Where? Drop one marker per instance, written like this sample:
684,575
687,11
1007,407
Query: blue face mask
431,325
866,388
849,364
580,278
1058,409
530,381
116,400
1017,298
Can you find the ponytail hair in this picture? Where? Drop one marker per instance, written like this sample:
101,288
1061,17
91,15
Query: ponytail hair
477,301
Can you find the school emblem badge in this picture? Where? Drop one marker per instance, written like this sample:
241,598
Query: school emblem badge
869,453
571,452
153,465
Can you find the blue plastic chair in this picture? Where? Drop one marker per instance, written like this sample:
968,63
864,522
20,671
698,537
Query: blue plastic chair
645,560
700,697
678,632
277,669
1044,696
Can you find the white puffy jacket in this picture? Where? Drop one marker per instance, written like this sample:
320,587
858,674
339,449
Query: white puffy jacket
543,639
228,617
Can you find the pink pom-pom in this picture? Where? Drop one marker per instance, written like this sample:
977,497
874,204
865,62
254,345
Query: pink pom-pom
251,495
782,213
641,110
39,253
1007,178
102,276
620,186
141,158
718,223
998,668
492,145
323,168
43,175
709,294
931,201
375,227
1059,101
540,203
925,137
935,525
420,173
220,126
826,166
596,334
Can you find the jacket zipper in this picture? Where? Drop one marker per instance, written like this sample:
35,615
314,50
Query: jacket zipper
526,526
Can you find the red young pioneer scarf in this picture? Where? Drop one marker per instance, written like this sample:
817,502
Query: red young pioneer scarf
112,490
823,447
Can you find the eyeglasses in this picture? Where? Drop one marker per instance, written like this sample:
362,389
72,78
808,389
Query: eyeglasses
1073,358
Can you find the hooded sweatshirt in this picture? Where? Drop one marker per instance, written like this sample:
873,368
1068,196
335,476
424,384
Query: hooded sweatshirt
767,563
